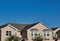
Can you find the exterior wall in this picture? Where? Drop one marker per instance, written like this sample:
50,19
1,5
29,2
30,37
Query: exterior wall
40,29
50,37
8,28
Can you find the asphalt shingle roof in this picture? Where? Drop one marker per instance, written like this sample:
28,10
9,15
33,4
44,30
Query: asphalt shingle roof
20,26
54,28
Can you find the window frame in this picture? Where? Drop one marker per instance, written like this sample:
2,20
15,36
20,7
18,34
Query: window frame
54,34
8,33
46,33
34,33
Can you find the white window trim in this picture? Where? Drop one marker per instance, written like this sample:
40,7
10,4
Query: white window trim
46,32
8,34
33,32
54,34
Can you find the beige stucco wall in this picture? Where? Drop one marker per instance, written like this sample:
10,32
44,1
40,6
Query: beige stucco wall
8,28
40,29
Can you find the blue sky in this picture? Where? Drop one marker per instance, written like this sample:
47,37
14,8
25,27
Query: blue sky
30,11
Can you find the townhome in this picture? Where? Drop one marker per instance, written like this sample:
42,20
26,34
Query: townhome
28,32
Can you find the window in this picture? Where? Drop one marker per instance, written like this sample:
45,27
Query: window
46,33
34,33
54,34
8,33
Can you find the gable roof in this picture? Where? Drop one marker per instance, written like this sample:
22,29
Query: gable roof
18,26
29,26
21,26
